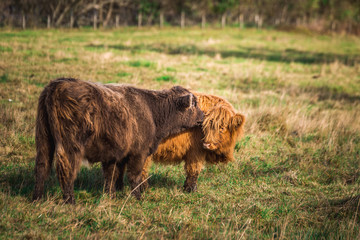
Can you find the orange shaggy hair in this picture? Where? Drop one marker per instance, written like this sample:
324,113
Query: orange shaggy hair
214,142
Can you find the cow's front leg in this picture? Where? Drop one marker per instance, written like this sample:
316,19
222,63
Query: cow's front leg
145,174
120,180
190,184
111,174
134,170
193,167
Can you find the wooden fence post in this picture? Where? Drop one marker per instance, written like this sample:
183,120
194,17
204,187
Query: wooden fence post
333,26
95,21
182,21
48,21
161,19
256,19
117,20
203,20
23,21
241,21
71,19
223,20
139,19
260,22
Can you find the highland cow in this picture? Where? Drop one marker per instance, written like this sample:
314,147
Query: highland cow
116,125
213,143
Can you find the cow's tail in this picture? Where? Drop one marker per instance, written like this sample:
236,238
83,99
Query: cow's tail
45,147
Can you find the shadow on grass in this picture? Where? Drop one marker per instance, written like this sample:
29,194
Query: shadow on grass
160,180
332,93
20,180
90,180
287,55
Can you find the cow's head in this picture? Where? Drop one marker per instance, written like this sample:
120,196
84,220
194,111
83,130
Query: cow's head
221,128
189,113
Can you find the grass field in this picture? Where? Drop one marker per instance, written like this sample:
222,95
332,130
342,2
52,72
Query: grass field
297,169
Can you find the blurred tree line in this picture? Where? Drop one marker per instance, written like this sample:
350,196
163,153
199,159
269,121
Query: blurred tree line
320,15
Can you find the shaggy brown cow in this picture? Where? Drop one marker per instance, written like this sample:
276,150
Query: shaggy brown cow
214,143
113,124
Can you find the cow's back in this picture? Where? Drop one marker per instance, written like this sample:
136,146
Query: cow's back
94,118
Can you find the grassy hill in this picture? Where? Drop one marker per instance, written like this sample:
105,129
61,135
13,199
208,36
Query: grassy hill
297,169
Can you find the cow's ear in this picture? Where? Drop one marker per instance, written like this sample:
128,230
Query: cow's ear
178,89
184,102
237,121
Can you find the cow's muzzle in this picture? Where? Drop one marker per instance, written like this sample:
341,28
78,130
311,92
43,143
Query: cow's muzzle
209,146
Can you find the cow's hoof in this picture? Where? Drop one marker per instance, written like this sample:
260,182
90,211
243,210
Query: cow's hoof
144,186
190,188
137,194
69,200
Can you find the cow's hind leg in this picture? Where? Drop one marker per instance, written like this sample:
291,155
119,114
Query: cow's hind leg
44,159
67,166
44,149
111,175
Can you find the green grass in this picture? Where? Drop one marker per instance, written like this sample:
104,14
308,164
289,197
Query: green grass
3,78
123,74
5,49
166,78
296,174
140,64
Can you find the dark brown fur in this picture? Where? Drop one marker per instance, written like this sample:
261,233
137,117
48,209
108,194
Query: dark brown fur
113,124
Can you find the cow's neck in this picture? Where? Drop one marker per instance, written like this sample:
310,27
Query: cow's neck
164,111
